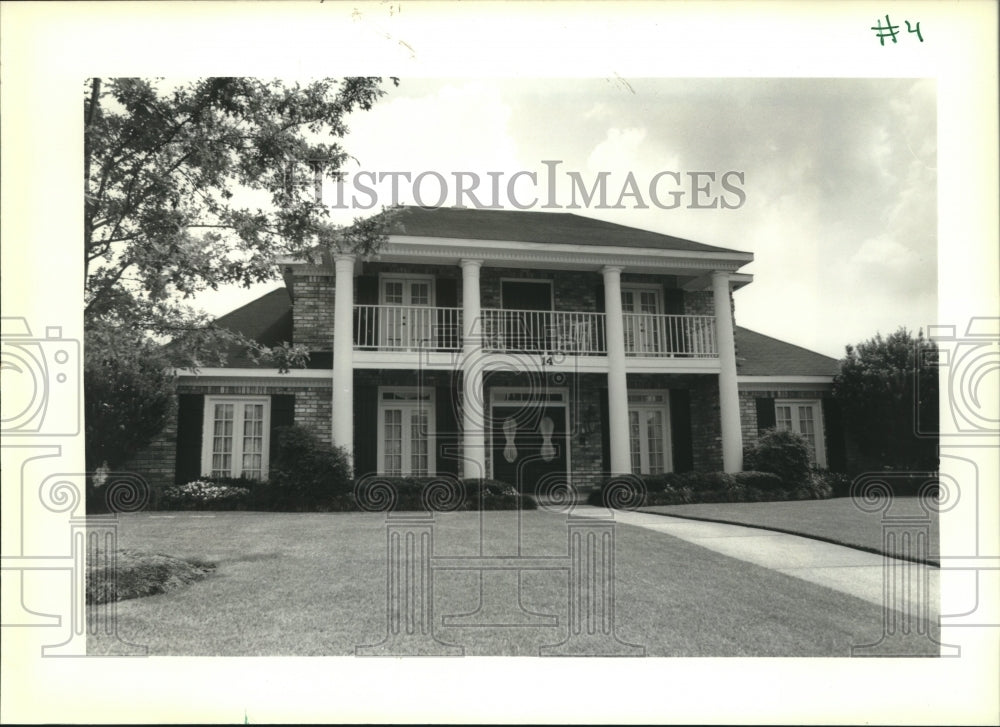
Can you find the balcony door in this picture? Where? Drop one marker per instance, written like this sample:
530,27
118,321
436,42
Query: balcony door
526,305
406,313
641,308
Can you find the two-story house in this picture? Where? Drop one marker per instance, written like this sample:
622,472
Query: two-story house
529,347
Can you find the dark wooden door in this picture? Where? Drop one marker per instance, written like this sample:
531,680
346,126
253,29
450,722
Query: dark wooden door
528,444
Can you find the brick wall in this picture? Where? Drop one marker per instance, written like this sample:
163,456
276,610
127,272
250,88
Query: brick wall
155,461
706,428
571,290
312,311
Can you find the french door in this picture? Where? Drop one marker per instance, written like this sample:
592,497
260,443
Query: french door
649,433
803,417
404,425
407,315
642,326
237,438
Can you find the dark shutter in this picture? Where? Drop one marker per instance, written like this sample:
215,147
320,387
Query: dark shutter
765,413
447,435
599,298
282,415
680,430
365,430
365,321
190,413
833,425
447,322
605,431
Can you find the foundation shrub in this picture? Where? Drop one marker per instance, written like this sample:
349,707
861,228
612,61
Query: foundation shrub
783,453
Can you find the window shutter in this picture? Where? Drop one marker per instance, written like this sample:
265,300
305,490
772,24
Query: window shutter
366,432
680,430
765,413
605,431
447,297
282,415
833,426
190,413
446,435
599,298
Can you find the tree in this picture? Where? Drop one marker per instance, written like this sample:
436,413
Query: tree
187,187
885,388
129,393
169,171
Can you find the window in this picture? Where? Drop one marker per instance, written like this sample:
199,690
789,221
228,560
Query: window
649,432
236,437
405,444
805,418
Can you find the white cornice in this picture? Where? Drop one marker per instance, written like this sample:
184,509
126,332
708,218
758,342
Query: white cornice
777,383
404,248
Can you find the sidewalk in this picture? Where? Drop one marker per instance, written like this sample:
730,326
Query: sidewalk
838,567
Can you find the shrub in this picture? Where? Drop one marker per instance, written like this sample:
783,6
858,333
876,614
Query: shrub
783,453
307,474
682,488
439,494
204,495
766,482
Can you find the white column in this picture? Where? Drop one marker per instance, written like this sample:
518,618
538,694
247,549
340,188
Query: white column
729,397
473,418
343,354
621,459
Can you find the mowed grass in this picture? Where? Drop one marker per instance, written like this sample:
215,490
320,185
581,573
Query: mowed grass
837,520
315,584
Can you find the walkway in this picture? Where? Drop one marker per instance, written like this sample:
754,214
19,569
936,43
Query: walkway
838,567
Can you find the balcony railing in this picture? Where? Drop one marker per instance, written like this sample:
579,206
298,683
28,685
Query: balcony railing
407,328
534,331
649,334
412,328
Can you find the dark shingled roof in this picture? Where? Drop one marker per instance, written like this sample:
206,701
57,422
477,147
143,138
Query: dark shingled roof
269,321
760,355
562,228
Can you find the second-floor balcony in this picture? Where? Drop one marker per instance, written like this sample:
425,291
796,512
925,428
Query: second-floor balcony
576,333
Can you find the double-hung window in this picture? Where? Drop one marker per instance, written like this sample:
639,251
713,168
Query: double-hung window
235,438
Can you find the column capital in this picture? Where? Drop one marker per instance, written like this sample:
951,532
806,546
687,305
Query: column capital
342,258
721,274
470,264
612,269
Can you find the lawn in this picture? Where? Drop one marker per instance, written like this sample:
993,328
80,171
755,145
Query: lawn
837,520
315,584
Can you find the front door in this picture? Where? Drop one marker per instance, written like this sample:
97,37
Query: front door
406,313
529,443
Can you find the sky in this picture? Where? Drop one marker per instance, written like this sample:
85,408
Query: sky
839,179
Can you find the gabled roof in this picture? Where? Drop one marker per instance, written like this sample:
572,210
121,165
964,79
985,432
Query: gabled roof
561,228
268,320
760,355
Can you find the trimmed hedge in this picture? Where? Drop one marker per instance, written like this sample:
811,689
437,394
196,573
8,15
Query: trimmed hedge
683,488
438,494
